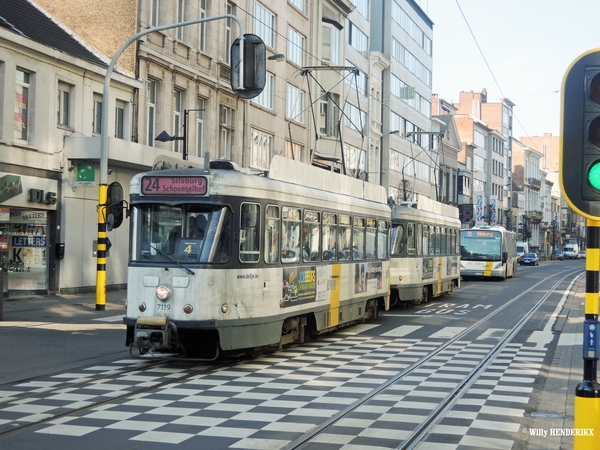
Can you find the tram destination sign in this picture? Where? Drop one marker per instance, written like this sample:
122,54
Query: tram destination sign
162,185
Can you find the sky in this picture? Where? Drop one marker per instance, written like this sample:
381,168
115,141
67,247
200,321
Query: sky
528,45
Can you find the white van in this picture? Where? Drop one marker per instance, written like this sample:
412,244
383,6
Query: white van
571,251
522,248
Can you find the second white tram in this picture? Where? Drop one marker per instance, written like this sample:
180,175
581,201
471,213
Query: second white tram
425,249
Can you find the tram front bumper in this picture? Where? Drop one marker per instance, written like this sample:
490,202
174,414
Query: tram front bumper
152,333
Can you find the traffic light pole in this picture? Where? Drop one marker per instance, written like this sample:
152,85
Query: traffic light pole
587,393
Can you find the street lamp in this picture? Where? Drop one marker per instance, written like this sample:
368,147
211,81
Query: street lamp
166,137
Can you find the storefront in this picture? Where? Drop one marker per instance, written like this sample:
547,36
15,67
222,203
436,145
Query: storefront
28,208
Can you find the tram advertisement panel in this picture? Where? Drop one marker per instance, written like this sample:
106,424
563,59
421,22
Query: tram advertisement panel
367,277
303,285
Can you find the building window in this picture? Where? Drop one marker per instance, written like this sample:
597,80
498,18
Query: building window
64,105
21,121
296,47
295,103
229,9
356,38
202,27
330,44
97,123
226,131
262,145
180,18
151,112
264,24
362,6
265,98
177,110
293,151
201,106
300,4
154,13
120,119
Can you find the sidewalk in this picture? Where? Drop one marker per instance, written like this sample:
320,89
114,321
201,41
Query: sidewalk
39,334
556,406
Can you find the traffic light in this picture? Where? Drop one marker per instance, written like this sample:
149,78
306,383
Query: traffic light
254,62
580,135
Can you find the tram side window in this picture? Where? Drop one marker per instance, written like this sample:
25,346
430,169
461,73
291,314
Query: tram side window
425,239
250,232
432,240
382,239
397,240
437,241
444,240
271,234
371,240
290,235
410,239
358,239
311,236
329,236
419,238
344,238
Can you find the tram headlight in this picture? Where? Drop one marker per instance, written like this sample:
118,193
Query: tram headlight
164,292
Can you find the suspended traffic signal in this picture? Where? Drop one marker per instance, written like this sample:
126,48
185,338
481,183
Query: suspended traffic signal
254,65
580,135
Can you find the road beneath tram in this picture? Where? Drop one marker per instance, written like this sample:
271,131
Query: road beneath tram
486,367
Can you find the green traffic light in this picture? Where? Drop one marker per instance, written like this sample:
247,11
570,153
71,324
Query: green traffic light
594,175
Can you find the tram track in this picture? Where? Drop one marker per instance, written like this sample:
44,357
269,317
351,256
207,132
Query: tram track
417,435
420,432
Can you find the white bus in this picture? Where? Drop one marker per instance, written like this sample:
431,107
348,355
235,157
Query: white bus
424,259
488,251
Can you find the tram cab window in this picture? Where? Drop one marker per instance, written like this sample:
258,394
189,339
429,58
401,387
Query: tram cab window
410,239
382,239
371,239
344,238
358,239
397,240
311,236
271,234
183,233
329,236
250,232
290,235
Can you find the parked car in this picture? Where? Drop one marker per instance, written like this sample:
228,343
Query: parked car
558,254
581,254
530,259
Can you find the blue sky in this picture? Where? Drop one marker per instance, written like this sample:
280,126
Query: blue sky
528,44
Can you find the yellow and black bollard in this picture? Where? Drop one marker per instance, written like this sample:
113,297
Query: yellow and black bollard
587,394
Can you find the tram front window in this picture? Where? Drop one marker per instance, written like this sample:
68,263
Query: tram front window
183,233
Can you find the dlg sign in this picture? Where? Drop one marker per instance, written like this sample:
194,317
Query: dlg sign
40,196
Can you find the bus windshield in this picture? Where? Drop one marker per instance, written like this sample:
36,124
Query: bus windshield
185,233
485,246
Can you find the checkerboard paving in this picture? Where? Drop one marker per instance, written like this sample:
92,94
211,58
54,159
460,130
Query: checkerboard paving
269,402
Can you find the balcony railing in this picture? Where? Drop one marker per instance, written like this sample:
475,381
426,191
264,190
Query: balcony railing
534,182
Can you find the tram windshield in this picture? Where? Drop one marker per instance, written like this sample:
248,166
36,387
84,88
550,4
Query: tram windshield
481,246
186,233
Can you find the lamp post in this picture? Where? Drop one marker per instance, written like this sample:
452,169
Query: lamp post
165,137
104,150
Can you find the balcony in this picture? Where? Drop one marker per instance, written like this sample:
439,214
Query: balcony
534,216
534,182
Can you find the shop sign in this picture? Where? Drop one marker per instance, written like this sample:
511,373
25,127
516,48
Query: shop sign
86,174
10,186
41,192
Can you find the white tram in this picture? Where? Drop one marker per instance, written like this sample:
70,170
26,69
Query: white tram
222,260
425,251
